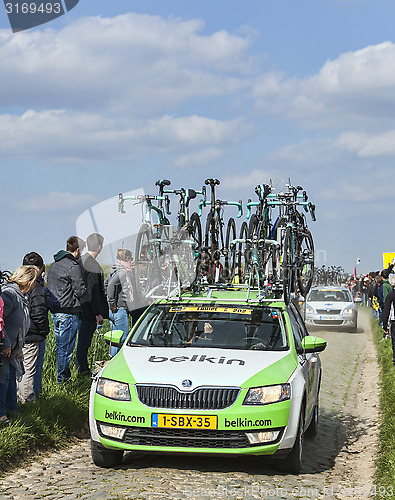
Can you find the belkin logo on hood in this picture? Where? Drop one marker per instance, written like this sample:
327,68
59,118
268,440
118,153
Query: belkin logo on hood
196,359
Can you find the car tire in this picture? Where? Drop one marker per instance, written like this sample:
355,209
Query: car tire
293,462
103,457
312,429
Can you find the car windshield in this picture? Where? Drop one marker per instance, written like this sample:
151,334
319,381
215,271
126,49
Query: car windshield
222,326
329,296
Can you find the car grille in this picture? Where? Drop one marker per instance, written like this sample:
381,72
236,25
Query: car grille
200,399
328,321
146,436
326,311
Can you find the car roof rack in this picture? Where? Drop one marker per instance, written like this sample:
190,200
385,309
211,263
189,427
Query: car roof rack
203,292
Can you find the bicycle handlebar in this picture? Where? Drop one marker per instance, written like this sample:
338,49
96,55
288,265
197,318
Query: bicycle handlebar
141,198
204,203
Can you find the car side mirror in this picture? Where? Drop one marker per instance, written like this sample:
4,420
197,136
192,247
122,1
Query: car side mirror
312,344
358,300
114,337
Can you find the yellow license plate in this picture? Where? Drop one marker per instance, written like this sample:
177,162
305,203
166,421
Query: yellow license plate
184,421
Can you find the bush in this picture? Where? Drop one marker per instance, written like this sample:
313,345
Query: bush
59,415
385,472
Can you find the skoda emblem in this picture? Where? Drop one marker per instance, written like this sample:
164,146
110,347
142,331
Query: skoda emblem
186,383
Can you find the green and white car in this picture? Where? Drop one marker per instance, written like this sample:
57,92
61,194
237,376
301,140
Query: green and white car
217,372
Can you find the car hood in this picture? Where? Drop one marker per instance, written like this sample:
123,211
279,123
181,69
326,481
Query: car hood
203,367
330,305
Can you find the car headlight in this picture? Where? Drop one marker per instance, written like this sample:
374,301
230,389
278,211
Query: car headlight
267,395
113,389
309,309
349,310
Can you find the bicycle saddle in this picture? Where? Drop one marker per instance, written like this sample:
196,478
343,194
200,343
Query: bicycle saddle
162,182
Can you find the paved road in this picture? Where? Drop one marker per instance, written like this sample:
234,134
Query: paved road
339,459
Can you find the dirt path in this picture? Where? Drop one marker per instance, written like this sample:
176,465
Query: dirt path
336,463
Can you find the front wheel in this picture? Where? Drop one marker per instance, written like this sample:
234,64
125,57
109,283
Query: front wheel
286,267
102,457
305,262
230,253
243,254
147,268
293,462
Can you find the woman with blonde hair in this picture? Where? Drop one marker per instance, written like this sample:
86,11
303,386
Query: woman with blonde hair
16,324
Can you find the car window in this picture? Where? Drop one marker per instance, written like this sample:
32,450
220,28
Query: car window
296,329
219,326
329,296
299,320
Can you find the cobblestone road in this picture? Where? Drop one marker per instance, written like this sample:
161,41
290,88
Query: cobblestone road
338,460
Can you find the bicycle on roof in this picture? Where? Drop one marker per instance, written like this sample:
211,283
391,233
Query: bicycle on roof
297,247
149,254
215,245
258,229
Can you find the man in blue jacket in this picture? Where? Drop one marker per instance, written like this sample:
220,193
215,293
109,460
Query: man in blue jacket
66,283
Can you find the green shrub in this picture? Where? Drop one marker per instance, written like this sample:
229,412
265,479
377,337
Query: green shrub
59,415
385,472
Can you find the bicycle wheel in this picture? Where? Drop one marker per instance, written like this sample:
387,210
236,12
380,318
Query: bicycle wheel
146,262
287,265
243,254
195,231
305,262
256,231
255,228
211,251
230,253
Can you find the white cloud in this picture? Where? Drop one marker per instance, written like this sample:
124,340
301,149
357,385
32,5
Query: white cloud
365,145
247,180
132,63
356,88
73,136
199,158
57,201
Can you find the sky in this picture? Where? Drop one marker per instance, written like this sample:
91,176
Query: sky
113,96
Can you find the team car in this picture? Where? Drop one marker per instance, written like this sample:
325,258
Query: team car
331,306
219,371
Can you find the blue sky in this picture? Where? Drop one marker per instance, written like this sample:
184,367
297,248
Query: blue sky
115,95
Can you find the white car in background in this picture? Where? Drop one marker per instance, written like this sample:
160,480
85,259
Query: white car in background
329,306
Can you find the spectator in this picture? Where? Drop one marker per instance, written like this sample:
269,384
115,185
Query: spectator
40,300
389,314
378,304
365,290
386,285
16,324
94,307
119,290
66,284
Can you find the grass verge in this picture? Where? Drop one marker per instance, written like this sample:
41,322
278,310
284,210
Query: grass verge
58,417
385,471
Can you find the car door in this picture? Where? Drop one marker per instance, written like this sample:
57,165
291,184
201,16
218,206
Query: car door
309,361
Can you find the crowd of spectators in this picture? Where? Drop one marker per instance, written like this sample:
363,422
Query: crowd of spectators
75,294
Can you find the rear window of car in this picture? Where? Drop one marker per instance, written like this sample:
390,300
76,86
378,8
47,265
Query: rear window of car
329,296
219,326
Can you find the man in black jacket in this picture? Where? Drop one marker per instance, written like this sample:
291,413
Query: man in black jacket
94,306
66,283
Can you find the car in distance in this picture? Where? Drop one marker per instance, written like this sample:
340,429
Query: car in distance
331,306
215,371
